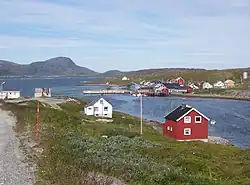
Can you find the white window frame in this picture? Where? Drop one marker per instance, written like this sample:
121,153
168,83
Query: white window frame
171,129
198,121
189,118
168,127
187,130
106,108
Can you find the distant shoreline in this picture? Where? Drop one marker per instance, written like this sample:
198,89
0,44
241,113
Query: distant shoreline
212,96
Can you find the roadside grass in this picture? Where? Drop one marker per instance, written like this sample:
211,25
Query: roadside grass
73,146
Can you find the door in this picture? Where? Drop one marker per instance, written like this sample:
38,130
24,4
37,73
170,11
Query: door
96,111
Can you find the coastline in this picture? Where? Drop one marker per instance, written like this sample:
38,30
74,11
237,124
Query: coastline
207,96
212,96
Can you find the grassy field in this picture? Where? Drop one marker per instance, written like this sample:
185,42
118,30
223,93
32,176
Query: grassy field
73,146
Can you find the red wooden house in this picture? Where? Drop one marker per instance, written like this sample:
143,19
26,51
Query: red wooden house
186,123
180,81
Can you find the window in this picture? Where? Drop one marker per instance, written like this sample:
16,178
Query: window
171,129
105,114
96,114
187,131
197,119
95,108
101,101
187,119
168,127
105,108
89,108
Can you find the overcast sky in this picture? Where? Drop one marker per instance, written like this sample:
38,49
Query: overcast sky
128,34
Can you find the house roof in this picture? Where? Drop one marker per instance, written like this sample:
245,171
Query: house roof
181,111
178,112
94,101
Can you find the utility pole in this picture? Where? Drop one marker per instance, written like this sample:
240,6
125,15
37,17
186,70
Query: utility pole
37,118
2,85
141,112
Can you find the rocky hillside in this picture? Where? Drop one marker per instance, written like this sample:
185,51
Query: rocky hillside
53,66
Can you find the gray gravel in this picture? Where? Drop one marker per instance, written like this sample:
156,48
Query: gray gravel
13,171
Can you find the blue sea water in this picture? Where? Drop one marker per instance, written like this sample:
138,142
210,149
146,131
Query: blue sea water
232,116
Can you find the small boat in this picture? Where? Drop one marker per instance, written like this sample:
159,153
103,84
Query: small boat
213,122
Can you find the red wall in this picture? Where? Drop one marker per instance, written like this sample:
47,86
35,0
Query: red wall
198,130
181,81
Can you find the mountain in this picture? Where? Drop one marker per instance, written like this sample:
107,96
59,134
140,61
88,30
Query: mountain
53,66
112,73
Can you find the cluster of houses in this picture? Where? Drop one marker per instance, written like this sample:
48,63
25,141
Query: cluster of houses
219,85
184,123
178,85
161,87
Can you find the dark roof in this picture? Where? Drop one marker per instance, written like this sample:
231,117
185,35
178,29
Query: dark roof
92,102
148,87
178,112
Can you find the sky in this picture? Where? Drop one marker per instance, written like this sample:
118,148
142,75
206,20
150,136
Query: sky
128,34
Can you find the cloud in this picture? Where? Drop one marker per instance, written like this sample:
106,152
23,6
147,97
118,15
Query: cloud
163,30
31,43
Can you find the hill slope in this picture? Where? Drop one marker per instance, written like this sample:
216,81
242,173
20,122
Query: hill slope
53,66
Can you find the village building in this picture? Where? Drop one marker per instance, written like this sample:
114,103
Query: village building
146,90
180,81
186,123
9,94
206,85
99,108
125,78
229,83
193,86
176,88
42,92
219,85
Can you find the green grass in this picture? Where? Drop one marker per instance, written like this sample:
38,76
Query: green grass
73,146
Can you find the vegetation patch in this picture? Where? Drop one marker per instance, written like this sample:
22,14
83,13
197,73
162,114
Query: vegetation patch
73,146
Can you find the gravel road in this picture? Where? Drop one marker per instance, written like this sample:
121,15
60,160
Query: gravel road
13,171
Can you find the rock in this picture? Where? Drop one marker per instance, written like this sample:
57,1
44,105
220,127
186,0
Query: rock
219,140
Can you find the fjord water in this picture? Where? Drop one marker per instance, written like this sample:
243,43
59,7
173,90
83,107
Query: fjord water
232,116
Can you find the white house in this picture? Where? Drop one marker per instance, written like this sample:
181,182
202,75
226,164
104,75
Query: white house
125,78
42,92
219,84
206,85
99,108
193,86
12,94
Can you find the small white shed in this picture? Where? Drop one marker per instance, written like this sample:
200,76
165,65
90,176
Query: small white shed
11,94
125,78
99,108
207,85
42,92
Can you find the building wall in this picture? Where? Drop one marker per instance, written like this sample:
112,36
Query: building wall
9,94
181,81
170,129
199,131
100,110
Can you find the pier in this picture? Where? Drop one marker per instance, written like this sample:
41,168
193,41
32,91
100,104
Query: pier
107,92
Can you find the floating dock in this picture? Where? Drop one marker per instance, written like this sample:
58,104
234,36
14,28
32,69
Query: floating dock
107,92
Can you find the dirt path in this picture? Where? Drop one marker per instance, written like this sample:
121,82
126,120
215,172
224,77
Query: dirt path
13,171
